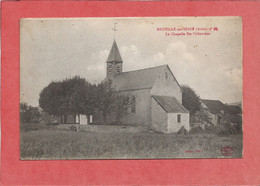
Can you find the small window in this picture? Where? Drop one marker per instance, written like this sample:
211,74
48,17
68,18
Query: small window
110,68
179,118
118,69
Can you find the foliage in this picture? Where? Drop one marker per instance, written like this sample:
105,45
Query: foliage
226,129
77,96
235,120
29,114
83,100
70,96
106,98
203,116
53,99
190,100
29,127
121,104
197,130
211,129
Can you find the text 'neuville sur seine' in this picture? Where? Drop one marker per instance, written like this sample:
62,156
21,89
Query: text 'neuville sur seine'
187,31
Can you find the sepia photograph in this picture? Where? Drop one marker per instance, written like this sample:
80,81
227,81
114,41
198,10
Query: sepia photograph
131,88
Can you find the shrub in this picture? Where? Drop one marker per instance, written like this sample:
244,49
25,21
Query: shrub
227,129
74,128
26,127
211,129
29,114
197,130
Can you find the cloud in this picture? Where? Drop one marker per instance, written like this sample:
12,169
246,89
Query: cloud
176,48
158,57
129,50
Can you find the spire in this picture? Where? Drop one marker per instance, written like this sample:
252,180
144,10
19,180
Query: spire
114,31
114,55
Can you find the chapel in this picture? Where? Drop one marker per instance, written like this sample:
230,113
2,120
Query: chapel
155,96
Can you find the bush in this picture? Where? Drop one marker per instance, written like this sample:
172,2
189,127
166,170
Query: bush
29,114
27,127
227,129
212,129
197,130
74,128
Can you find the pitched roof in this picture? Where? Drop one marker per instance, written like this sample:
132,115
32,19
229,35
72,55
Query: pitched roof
234,109
170,104
138,79
214,106
114,55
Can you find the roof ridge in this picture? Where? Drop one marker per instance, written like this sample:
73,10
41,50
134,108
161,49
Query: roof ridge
211,100
144,69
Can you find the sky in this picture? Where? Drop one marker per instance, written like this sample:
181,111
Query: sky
52,49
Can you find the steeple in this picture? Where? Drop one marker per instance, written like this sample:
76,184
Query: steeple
114,61
114,55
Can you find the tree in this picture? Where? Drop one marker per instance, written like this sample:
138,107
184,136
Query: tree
121,103
190,100
29,114
84,99
65,97
203,116
52,99
106,98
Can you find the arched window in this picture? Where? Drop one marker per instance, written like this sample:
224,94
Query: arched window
133,104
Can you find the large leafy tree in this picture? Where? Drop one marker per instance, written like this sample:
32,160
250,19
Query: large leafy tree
190,100
120,108
51,99
84,99
69,96
106,98
76,96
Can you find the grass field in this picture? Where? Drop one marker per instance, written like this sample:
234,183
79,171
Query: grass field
47,142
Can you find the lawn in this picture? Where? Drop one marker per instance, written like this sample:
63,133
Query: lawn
47,142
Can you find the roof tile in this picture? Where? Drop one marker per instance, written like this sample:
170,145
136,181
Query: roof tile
138,79
170,104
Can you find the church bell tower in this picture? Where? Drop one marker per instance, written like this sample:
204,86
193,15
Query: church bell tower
114,61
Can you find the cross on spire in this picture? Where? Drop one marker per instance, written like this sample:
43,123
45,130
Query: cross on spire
114,30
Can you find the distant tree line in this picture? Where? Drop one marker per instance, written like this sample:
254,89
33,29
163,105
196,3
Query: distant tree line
29,114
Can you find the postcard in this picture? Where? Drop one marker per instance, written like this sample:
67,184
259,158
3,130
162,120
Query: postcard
131,88
130,93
